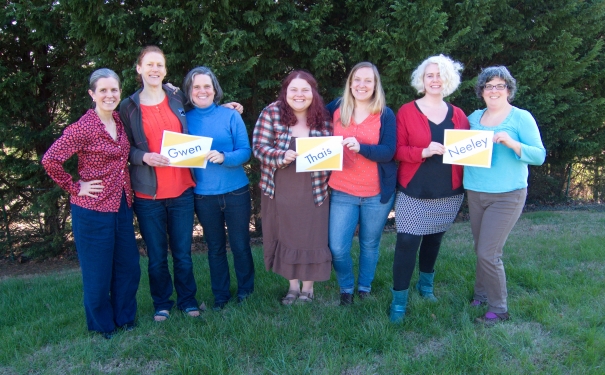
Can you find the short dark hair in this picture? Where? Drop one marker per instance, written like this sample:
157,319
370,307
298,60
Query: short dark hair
188,83
492,72
102,73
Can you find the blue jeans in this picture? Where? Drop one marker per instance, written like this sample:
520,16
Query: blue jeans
346,211
164,221
109,259
213,212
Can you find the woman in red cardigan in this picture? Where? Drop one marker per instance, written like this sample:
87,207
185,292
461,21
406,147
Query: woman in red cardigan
429,193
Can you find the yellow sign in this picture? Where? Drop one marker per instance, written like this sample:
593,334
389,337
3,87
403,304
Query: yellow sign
319,154
184,150
469,147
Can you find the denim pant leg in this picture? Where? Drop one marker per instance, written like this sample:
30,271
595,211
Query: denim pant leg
152,218
180,234
237,216
372,219
344,215
126,268
209,211
94,234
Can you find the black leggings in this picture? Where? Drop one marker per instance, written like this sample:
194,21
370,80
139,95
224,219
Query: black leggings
405,256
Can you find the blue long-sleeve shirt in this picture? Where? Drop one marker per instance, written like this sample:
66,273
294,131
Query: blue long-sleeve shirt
508,171
229,136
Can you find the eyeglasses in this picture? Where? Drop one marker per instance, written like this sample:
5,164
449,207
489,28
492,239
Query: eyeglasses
499,87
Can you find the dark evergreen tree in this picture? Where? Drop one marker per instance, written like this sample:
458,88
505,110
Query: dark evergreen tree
553,48
42,88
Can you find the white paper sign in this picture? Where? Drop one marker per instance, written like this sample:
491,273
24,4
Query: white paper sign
184,150
319,154
469,147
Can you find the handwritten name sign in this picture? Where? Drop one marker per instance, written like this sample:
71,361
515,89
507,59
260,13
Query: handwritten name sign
184,150
319,154
469,147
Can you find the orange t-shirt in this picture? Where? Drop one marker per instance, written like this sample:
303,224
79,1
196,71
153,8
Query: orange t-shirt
359,176
172,182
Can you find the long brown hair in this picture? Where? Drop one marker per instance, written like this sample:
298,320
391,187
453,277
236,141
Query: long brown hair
316,113
347,104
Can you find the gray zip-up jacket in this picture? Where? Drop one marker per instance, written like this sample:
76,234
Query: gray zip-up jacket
143,176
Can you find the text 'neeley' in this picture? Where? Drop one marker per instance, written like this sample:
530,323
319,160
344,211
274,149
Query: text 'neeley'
468,147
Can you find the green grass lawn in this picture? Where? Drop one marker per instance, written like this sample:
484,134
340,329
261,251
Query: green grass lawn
555,264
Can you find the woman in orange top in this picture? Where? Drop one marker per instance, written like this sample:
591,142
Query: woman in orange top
363,192
163,199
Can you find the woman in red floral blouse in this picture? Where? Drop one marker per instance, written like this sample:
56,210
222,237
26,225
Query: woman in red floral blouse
101,207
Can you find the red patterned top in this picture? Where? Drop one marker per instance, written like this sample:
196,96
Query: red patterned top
99,158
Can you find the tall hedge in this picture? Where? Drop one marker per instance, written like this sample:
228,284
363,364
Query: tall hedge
554,49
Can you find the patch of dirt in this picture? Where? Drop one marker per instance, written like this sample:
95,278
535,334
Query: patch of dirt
23,267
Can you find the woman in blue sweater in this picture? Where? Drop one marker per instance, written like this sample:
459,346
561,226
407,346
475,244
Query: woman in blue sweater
221,191
496,195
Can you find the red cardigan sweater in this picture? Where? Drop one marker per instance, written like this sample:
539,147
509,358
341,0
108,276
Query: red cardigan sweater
414,135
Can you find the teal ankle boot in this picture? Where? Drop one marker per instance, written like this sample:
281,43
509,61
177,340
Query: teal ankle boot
400,301
425,286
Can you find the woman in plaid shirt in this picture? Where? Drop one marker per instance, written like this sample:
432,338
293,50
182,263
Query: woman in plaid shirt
294,206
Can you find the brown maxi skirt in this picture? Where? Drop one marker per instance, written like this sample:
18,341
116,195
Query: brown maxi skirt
295,230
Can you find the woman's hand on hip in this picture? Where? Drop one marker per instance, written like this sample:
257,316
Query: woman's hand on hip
352,144
215,157
156,160
435,148
90,188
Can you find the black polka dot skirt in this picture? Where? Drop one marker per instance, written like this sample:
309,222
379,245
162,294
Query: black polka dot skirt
425,216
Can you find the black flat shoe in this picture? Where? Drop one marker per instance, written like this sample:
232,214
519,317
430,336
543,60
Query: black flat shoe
346,299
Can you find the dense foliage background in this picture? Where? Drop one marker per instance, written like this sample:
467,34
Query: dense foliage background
48,48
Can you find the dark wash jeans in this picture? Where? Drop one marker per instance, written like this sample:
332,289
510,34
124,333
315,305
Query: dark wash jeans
163,222
109,259
232,209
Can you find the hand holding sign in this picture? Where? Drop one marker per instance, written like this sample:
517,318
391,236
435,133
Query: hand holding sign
504,139
289,157
435,148
352,144
156,160
215,157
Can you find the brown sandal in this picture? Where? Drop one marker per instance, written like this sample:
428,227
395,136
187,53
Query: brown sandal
290,297
305,297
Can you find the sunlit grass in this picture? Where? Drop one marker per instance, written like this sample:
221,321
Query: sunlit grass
556,276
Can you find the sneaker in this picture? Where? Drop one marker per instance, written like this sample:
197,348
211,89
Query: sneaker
491,318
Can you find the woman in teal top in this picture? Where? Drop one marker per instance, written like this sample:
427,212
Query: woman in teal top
496,195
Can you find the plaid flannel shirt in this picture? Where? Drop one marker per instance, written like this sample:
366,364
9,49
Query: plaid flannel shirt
271,140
